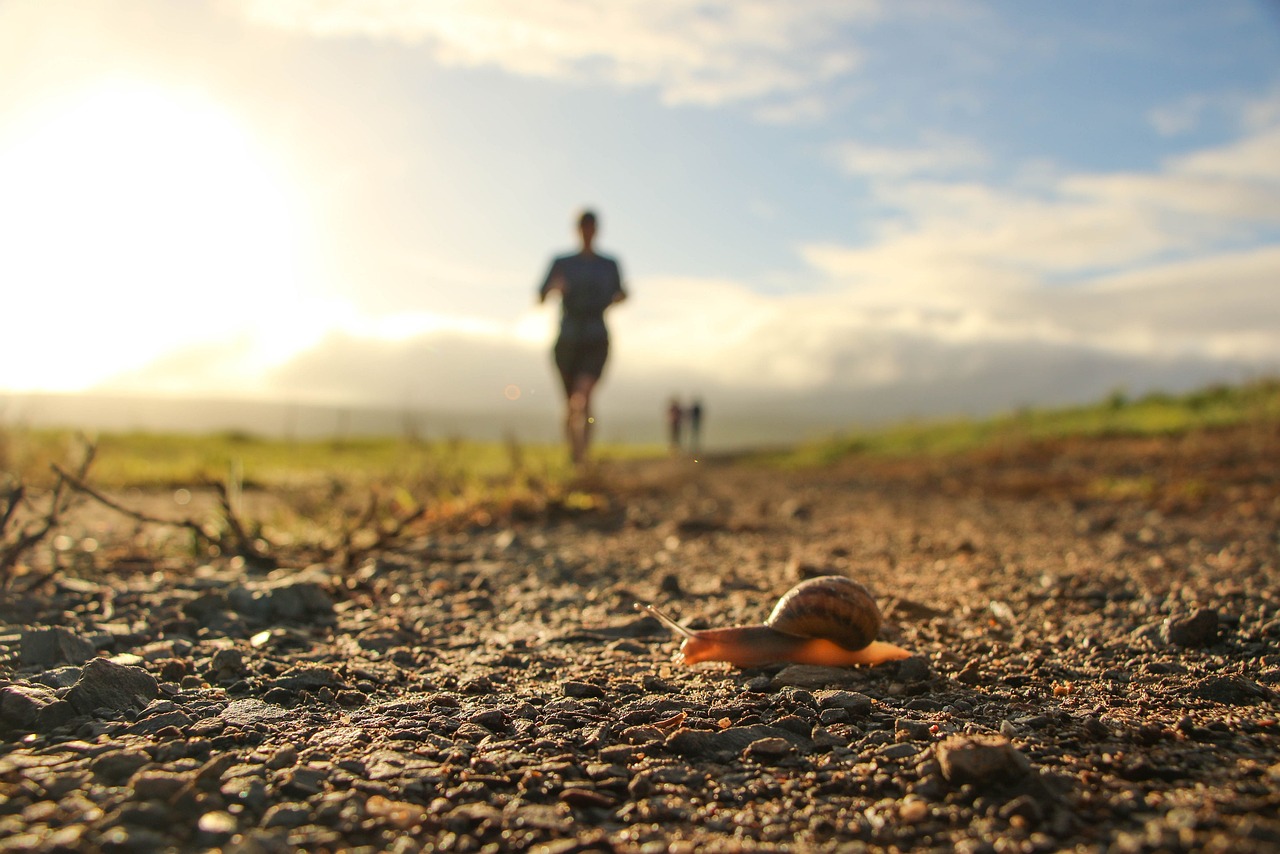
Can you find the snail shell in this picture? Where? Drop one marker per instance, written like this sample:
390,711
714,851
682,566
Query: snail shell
830,620
832,607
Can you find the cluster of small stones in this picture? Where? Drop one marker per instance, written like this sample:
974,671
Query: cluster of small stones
128,762
495,690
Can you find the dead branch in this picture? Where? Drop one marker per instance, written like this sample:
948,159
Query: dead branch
238,537
59,502
245,545
238,543
191,525
349,554
12,500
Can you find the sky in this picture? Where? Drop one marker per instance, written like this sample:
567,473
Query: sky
827,212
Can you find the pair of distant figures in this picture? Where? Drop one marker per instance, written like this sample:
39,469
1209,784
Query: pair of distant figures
678,418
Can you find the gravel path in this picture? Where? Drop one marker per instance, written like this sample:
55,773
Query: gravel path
1094,628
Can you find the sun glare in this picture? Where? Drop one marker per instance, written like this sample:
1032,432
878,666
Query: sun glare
136,219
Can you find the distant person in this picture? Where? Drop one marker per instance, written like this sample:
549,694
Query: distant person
675,418
695,425
588,283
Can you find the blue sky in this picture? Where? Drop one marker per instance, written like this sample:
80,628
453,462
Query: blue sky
848,211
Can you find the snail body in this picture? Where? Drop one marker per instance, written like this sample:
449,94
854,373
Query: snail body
830,620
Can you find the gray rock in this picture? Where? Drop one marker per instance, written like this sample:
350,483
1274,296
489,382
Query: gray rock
244,713
309,677
541,817
1199,629
230,661
833,716
914,669
494,720
286,815
814,677
51,647
582,690
289,600
769,749
849,701
981,759
824,739
118,765
304,782
1231,690
20,705
205,607
209,775
727,743
285,757
254,605
55,715
903,750
296,600
155,723
905,729
33,707
156,784
249,792
59,677
115,687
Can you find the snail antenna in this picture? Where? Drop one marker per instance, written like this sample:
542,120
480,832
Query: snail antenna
664,619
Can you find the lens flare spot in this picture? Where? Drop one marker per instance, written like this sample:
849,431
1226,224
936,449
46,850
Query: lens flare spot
512,392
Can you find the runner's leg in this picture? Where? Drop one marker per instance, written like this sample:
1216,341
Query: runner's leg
580,416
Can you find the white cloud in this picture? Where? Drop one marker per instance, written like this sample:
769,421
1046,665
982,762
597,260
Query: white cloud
1262,112
940,155
1255,158
949,233
706,53
965,303
1195,111
1180,117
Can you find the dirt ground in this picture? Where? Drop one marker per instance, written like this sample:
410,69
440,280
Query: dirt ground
1093,623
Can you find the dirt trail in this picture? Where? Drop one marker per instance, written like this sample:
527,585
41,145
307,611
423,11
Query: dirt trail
1094,626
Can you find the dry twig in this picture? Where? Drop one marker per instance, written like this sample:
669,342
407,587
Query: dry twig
16,543
238,542
237,538
348,554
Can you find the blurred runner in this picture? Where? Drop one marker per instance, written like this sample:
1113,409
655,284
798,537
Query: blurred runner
588,283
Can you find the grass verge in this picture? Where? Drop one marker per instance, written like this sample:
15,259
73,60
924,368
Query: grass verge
1155,414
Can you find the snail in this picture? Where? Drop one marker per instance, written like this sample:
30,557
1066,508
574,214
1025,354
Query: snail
830,620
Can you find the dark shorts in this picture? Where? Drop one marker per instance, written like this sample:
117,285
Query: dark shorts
575,358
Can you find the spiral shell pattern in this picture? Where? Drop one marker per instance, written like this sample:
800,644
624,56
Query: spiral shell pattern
832,607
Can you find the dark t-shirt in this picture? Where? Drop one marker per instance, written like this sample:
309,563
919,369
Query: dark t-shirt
591,283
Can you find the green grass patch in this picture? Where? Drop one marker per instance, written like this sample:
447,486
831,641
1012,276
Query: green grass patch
161,461
479,470
1153,415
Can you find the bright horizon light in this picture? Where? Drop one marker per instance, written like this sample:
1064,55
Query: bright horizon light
138,219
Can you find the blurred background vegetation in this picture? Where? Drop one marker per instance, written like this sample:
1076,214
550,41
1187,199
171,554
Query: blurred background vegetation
459,468
1218,406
